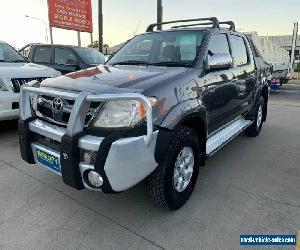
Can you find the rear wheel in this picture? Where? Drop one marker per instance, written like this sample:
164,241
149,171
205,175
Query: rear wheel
172,183
256,126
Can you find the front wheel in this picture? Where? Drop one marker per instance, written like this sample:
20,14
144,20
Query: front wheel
172,183
256,126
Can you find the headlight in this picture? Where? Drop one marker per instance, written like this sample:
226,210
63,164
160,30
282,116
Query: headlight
56,74
34,102
2,86
124,113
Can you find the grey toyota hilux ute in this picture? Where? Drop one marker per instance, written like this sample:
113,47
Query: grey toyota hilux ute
162,105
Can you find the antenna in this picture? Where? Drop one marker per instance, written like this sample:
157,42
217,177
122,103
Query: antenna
137,28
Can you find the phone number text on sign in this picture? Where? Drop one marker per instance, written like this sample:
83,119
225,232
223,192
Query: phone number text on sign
71,14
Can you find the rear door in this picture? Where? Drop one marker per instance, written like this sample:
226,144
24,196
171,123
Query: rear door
219,91
244,73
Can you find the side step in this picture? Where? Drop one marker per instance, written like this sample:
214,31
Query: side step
225,135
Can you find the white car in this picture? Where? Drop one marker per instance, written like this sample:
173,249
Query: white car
15,71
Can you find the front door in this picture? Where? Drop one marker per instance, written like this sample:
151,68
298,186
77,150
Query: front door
219,89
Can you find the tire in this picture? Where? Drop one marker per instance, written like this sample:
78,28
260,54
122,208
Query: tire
161,183
254,129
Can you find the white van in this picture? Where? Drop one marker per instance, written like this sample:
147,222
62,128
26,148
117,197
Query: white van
15,71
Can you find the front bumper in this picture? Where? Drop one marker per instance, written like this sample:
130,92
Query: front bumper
122,163
122,159
9,105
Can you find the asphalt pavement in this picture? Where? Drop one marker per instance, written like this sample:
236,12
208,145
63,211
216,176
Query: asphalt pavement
251,186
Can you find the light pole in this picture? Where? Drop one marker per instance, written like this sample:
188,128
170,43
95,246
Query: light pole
100,24
159,13
294,46
44,22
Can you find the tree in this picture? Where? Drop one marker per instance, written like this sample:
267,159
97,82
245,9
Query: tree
106,46
94,45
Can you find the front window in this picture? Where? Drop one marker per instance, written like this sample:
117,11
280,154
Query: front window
90,56
174,48
239,50
218,45
64,57
8,54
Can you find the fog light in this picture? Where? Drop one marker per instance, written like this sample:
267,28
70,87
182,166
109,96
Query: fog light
95,179
89,157
40,101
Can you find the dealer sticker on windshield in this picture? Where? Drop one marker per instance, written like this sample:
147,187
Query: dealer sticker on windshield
48,160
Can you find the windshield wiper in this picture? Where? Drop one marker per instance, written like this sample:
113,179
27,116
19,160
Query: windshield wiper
17,61
171,64
167,64
131,62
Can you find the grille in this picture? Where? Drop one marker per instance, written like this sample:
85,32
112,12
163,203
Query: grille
47,142
18,82
45,111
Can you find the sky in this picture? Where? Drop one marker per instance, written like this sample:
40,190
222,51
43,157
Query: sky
124,18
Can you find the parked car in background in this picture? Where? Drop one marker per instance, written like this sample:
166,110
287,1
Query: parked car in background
277,57
15,70
275,83
64,58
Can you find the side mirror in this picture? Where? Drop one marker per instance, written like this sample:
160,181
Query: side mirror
219,61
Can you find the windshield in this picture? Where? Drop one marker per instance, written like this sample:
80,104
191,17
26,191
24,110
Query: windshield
8,54
90,56
174,48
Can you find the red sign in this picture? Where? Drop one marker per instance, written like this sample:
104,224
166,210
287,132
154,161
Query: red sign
71,14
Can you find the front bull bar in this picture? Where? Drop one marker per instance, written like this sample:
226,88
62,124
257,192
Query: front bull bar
81,106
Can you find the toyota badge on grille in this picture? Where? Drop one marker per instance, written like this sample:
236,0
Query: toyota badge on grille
57,105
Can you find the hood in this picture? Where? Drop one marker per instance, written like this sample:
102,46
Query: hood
25,70
114,79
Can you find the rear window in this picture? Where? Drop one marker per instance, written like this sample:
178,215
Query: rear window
43,55
26,51
239,50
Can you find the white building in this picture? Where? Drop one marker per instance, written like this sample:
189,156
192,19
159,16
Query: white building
271,52
286,43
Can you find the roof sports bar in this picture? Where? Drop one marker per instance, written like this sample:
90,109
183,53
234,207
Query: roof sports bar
191,25
230,23
214,21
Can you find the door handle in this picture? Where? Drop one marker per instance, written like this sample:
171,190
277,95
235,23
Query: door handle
211,88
